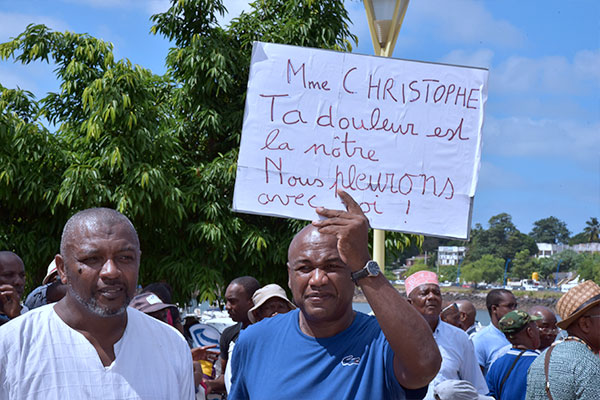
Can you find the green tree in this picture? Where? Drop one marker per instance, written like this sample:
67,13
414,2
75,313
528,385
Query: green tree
488,269
416,267
523,265
161,149
592,230
502,239
589,267
550,230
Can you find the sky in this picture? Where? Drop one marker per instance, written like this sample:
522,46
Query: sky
541,135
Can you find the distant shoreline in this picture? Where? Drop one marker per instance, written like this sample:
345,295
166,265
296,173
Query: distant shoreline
525,300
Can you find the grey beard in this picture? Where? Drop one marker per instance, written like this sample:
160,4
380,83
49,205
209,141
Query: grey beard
96,309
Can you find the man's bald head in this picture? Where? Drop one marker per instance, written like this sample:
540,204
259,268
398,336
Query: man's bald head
8,257
310,234
546,325
90,218
467,313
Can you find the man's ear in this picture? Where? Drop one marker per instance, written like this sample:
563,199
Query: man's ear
409,300
60,268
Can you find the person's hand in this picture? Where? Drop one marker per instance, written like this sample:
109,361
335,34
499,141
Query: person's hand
351,228
203,353
198,374
10,301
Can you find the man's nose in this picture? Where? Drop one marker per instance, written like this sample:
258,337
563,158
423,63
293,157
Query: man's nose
318,277
110,270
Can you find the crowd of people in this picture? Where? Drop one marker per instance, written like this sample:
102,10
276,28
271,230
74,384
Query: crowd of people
89,332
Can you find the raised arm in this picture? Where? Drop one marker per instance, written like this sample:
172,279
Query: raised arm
416,355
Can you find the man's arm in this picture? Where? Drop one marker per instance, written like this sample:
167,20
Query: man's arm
416,355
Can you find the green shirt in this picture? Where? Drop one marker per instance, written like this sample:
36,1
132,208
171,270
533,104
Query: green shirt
573,373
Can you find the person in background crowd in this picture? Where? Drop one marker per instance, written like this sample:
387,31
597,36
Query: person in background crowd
165,293
546,325
507,377
238,296
149,303
269,301
467,314
570,369
324,349
12,285
458,355
450,314
51,290
490,342
91,345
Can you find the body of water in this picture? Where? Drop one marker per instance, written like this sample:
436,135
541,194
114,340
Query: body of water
482,315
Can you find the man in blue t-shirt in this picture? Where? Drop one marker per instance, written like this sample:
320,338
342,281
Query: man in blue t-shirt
507,377
489,342
325,350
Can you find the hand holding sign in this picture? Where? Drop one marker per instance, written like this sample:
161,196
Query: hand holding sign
402,137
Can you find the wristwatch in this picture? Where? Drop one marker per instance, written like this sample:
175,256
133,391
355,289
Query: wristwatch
370,269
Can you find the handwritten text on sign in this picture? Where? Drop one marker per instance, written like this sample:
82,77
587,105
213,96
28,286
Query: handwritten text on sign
402,137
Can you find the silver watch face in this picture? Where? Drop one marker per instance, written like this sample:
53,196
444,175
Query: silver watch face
373,268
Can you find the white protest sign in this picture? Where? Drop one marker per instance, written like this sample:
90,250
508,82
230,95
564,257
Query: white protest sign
402,137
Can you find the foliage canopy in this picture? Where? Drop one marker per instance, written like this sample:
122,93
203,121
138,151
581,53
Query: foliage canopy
160,149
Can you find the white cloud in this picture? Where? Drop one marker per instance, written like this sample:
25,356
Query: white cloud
555,74
12,24
480,58
578,141
149,6
465,21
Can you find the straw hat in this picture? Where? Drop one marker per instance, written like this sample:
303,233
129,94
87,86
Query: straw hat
265,293
576,302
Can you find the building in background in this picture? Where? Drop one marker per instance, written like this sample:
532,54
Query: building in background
450,255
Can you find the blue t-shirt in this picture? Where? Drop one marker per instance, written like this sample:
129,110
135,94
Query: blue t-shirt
489,343
274,359
516,384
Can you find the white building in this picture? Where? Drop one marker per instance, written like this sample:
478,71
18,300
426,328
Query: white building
450,255
546,250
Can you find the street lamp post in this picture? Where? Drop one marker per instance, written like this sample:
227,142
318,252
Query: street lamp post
385,18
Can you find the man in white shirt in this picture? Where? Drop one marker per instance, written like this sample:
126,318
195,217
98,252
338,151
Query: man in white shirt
90,345
458,355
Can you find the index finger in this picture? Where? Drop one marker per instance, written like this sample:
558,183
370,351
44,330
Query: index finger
351,205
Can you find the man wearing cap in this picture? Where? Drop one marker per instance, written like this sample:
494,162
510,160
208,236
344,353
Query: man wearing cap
51,290
570,369
546,324
507,377
91,345
151,304
490,343
324,349
12,285
458,355
269,301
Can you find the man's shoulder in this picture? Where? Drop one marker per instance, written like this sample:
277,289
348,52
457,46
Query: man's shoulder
233,329
31,317
272,324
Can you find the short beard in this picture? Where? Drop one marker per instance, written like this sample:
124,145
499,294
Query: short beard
92,305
